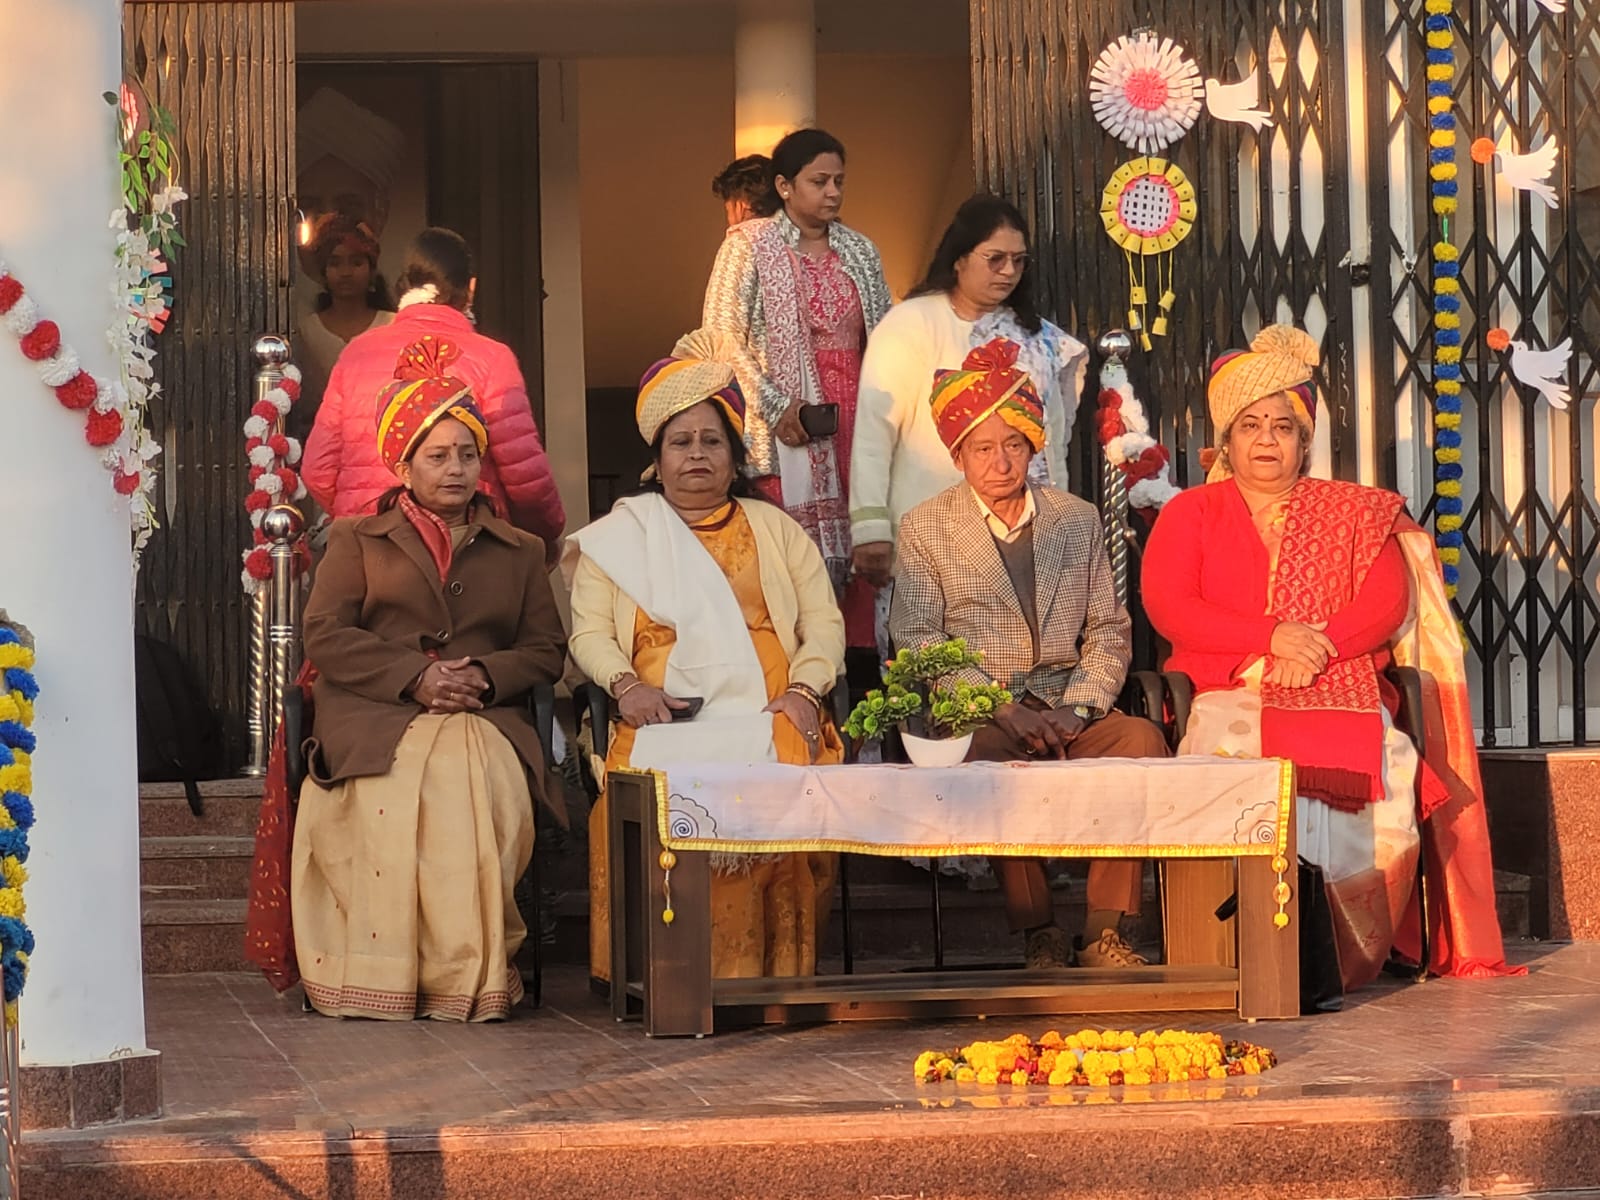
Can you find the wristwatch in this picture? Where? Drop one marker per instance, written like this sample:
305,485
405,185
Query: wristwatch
1086,712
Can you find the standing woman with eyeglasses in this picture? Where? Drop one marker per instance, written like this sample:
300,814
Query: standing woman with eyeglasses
977,288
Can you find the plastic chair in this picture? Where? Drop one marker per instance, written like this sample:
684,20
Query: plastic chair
1167,697
541,703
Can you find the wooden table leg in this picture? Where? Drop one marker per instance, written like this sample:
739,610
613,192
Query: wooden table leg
1269,957
677,957
624,794
670,964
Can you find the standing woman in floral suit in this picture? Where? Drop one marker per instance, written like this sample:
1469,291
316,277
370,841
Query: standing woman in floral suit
796,294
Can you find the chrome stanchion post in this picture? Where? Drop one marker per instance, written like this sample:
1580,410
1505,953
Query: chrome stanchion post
283,526
271,353
1115,345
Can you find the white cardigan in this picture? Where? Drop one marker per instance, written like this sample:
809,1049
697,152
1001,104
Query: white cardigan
898,459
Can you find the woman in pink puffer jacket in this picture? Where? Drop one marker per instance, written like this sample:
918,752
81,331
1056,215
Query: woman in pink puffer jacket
341,467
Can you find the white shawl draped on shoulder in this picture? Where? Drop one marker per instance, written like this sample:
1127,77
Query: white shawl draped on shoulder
653,557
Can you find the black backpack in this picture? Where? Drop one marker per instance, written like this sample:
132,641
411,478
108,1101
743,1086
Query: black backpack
180,738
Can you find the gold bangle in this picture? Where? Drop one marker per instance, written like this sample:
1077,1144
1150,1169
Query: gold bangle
808,692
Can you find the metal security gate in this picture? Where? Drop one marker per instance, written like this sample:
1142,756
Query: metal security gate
1528,573
1324,219
1272,238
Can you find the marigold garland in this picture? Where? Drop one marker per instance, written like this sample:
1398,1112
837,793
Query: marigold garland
1443,185
17,693
273,480
1095,1058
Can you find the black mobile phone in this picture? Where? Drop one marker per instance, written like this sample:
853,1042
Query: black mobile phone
819,420
695,704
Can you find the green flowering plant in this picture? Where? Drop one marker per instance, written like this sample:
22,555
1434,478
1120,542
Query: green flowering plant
914,695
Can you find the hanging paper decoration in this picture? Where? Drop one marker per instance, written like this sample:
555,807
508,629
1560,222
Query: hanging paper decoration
1147,209
1145,92
1543,370
1237,102
1526,172
1554,6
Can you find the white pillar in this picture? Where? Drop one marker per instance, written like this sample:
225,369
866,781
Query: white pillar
774,72
64,558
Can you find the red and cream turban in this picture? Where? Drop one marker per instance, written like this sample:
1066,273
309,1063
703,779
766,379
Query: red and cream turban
420,397
697,370
988,384
1280,359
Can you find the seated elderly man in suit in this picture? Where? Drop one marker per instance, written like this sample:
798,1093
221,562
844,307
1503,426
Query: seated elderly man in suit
1020,571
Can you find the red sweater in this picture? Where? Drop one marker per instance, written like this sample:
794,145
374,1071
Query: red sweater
1204,585
342,468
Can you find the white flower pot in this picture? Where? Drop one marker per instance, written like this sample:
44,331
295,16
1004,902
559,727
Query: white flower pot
936,752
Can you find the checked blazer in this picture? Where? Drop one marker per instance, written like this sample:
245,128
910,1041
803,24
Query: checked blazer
951,583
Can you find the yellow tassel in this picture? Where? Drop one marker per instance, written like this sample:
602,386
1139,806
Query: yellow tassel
1441,72
1446,251
1447,354
1448,420
1449,524
1440,39
1444,206
1443,170
1439,104
1451,555
1449,487
1441,138
1446,320
1450,455
14,655
1446,285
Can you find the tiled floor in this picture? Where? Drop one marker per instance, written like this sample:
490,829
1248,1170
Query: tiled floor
235,1053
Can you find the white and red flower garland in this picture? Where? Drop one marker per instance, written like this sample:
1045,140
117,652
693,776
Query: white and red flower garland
1125,438
103,404
273,479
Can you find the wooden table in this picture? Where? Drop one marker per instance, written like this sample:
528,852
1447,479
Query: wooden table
662,972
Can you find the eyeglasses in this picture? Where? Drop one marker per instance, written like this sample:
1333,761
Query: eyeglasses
995,260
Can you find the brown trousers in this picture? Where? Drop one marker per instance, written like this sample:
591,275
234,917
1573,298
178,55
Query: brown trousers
1114,883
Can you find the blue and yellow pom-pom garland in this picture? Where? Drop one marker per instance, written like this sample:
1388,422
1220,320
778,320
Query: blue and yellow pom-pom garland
1446,291
17,692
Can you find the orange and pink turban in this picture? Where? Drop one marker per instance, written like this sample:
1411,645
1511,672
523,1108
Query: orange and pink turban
421,396
987,384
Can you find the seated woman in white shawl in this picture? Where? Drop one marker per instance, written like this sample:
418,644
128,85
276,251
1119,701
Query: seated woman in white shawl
660,588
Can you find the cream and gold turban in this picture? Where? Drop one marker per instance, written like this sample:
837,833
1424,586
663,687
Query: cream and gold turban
698,369
1280,359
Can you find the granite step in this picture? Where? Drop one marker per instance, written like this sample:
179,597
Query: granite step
184,936
199,868
230,808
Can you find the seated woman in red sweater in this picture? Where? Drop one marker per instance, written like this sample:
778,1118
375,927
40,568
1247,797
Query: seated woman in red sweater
1284,598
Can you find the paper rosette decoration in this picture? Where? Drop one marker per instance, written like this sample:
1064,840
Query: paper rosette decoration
1146,92
1147,208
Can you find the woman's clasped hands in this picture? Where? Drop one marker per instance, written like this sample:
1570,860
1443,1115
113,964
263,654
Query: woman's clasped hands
1300,652
454,685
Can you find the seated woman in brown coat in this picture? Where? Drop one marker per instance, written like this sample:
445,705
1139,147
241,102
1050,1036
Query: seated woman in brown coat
429,623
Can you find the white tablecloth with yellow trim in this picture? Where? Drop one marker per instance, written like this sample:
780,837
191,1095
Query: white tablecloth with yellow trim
1196,807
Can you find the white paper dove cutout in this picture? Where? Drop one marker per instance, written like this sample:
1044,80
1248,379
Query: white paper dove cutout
1545,370
1554,6
1529,172
1237,102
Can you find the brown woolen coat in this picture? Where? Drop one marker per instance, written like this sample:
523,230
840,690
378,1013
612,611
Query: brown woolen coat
377,607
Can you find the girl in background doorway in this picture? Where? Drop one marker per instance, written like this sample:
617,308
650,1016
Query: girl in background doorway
344,255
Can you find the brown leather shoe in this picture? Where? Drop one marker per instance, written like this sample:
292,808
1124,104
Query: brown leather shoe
1111,951
1047,948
